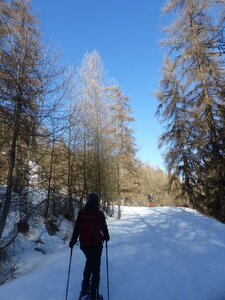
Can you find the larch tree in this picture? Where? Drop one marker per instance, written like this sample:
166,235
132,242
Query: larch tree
20,82
93,105
199,73
172,111
29,78
124,145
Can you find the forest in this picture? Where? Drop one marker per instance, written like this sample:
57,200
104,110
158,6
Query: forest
67,131
64,131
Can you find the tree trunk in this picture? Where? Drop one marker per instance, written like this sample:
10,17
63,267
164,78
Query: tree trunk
7,202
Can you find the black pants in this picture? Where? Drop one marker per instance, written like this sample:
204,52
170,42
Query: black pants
92,268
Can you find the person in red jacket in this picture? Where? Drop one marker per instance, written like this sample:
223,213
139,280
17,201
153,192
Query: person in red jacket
91,228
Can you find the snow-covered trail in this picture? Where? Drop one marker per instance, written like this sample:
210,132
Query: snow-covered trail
168,253
154,254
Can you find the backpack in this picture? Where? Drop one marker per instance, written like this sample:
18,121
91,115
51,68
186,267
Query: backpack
90,228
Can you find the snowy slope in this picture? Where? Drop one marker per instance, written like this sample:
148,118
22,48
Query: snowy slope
154,254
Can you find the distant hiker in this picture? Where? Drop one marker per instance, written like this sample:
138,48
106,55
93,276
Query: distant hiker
92,230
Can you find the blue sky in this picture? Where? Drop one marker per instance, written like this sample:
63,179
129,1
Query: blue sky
126,34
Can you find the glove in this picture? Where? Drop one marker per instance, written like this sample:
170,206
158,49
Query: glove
107,238
71,244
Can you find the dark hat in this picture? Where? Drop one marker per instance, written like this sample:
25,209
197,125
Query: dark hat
92,202
93,197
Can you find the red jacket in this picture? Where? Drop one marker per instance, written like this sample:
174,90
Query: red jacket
90,227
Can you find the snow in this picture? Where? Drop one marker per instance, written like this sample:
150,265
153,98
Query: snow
156,253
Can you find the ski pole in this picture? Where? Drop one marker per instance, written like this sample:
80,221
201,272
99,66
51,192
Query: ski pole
107,268
68,277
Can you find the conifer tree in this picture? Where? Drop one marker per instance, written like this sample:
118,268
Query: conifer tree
94,109
20,81
124,145
199,71
28,80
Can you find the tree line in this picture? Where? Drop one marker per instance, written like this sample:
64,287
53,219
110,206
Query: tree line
64,131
